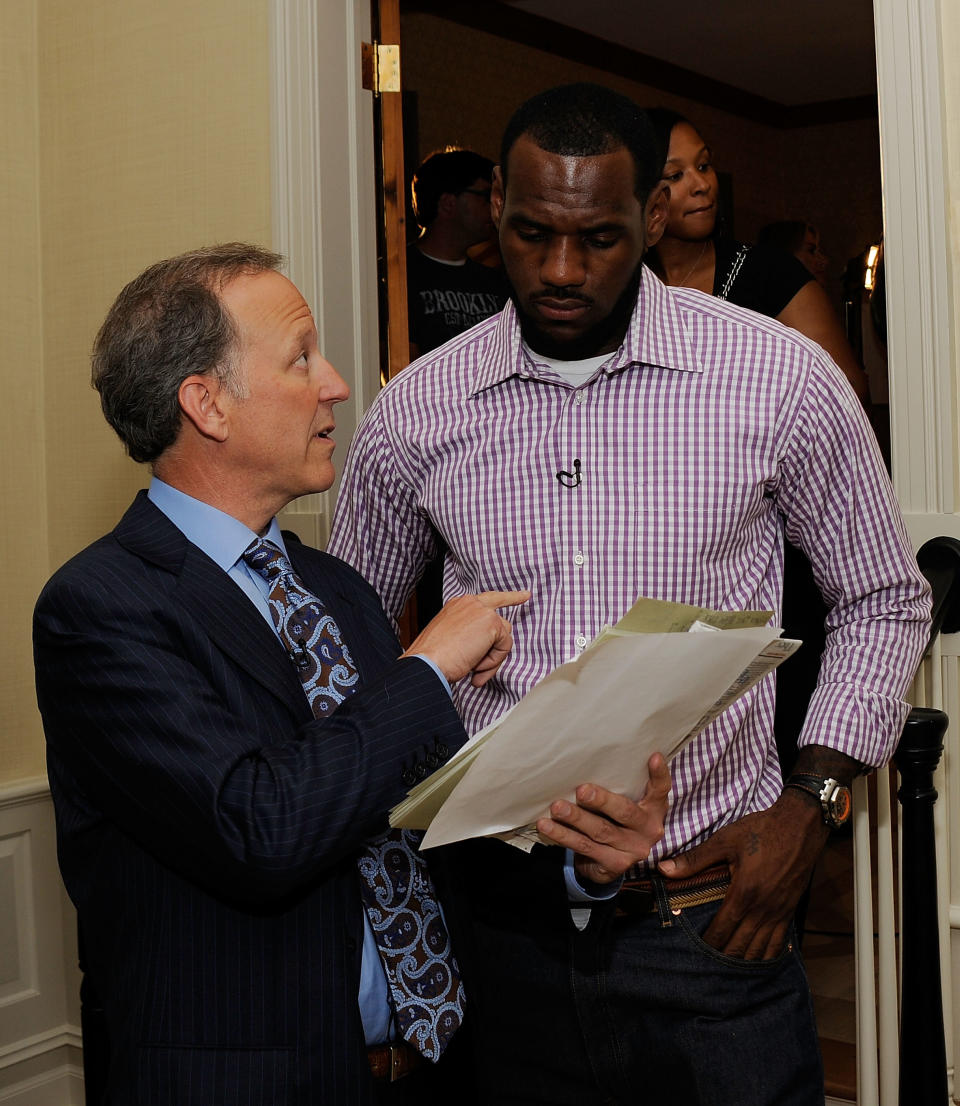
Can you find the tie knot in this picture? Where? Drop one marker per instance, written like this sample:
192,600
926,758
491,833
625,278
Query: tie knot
266,559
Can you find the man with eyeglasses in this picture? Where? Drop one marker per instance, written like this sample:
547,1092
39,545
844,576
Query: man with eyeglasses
447,291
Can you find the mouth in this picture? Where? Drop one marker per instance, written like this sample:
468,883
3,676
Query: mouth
560,309
699,210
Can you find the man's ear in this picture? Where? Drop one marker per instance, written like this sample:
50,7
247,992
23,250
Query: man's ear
496,197
658,206
203,403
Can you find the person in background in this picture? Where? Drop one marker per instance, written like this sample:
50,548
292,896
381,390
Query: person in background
606,437
802,240
693,254
447,291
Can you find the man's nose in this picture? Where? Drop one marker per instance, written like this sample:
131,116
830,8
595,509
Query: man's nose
563,265
334,388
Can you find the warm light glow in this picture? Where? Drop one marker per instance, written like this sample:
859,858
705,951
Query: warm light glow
870,271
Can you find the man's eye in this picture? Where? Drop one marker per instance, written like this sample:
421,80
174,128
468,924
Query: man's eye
601,243
530,235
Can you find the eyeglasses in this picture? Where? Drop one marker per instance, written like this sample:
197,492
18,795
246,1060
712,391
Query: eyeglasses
483,193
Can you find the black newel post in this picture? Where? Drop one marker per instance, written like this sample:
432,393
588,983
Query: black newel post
923,1058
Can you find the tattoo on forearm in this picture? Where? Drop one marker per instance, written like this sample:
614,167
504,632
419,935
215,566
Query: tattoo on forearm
753,843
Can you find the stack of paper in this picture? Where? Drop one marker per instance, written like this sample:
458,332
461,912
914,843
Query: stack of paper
648,684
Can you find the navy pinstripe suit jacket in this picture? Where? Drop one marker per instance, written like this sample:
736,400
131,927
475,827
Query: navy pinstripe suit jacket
208,825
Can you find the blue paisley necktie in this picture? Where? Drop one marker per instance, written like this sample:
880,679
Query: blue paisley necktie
395,886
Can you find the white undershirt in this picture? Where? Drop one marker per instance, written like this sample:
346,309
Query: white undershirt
573,372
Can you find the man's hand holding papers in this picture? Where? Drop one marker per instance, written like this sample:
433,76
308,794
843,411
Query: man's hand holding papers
609,832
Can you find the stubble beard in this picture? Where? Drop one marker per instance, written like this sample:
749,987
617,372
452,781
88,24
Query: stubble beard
607,334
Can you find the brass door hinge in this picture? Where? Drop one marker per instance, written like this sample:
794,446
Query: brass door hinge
381,67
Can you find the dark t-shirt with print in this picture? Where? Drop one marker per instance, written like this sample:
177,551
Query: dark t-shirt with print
444,300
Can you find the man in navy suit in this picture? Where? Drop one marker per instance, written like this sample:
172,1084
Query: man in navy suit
209,826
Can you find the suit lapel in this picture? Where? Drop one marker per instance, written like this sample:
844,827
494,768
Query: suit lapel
214,601
238,628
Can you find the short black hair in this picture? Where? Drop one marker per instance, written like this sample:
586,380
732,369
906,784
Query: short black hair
664,120
447,170
585,120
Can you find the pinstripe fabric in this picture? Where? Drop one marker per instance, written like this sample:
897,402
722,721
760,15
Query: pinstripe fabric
707,435
208,825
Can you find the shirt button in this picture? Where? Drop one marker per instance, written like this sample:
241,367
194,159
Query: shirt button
581,641
581,396
578,558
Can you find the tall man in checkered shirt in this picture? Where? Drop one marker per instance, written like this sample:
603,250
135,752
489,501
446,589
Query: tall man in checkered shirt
606,437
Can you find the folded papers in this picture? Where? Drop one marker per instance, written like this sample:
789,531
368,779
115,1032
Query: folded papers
648,684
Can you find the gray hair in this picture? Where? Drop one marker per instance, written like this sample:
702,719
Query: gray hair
167,324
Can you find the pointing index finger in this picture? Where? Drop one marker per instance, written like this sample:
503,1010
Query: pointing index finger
494,599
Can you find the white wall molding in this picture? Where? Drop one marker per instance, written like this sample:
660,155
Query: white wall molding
58,1085
916,246
21,792
324,201
921,344
39,1044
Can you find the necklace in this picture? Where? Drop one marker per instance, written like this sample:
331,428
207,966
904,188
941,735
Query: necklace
689,272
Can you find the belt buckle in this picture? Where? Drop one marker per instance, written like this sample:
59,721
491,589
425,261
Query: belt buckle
396,1059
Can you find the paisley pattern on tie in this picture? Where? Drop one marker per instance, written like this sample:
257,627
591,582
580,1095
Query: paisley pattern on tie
411,934
395,887
308,632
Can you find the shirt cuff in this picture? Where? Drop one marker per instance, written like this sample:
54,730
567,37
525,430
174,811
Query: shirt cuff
585,890
440,675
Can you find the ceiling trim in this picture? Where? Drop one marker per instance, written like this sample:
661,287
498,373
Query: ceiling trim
523,27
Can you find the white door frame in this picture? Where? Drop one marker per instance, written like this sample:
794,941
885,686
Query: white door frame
324,202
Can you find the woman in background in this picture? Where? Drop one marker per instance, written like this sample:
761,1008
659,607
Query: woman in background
691,254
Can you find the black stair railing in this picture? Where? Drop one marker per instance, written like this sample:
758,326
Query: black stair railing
923,1059
923,1056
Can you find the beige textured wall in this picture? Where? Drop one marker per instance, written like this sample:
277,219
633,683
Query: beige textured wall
23,540
469,83
135,130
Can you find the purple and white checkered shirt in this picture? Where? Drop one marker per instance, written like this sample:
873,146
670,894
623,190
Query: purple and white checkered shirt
705,436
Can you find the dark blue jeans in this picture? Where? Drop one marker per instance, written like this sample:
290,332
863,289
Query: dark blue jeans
640,1010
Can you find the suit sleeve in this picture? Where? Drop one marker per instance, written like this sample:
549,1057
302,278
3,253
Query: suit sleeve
151,728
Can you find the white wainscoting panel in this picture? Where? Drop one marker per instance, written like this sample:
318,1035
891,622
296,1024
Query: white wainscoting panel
40,1048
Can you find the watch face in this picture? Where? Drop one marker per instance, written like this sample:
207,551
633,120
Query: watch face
839,805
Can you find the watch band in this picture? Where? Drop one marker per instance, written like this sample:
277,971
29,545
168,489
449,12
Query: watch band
813,785
833,797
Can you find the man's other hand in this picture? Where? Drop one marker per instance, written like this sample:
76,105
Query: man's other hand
469,636
771,855
609,832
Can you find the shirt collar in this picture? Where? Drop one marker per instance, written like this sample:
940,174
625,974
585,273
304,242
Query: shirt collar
222,537
657,336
